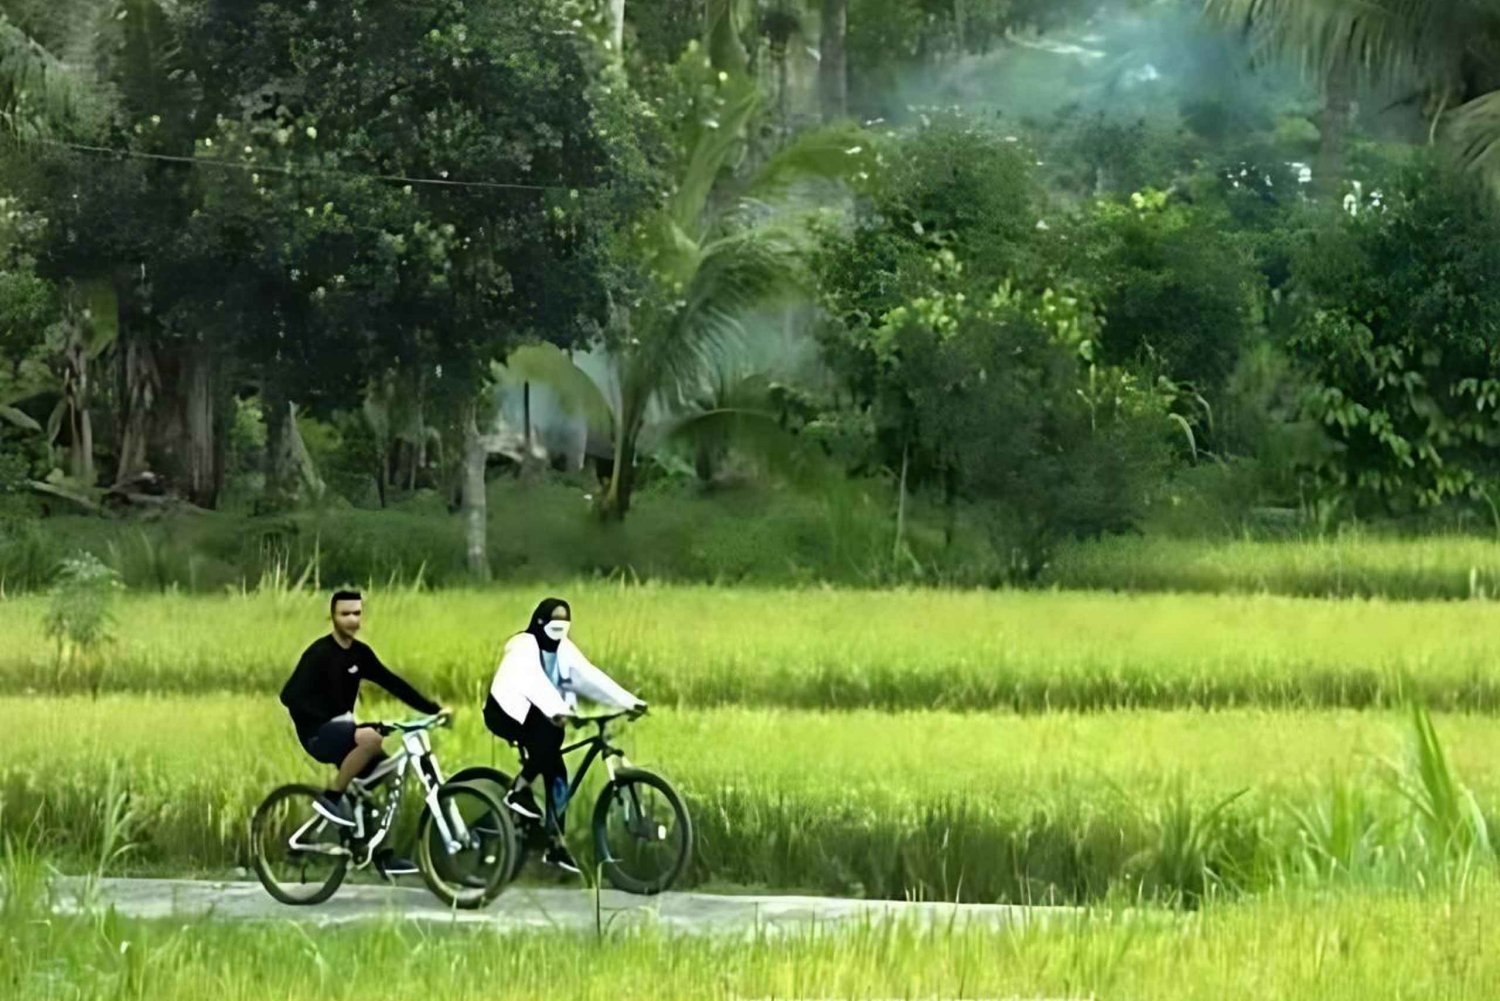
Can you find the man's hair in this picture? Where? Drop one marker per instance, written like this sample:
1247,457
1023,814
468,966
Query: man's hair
338,596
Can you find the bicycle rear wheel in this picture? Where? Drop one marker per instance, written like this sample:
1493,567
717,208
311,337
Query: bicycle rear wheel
299,857
497,783
643,837
472,868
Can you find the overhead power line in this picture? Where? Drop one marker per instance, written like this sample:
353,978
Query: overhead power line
240,165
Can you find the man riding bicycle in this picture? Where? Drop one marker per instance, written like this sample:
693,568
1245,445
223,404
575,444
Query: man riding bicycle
535,690
320,697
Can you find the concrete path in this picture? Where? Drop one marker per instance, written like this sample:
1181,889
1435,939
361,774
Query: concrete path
528,907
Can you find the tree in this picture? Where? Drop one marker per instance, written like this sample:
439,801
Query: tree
1447,52
1398,327
985,382
440,184
949,195
1178,293
1000,401
713,251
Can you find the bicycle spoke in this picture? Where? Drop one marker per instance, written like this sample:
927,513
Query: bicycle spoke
298,856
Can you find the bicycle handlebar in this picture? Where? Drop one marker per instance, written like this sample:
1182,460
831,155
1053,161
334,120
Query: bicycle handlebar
387,727
578,722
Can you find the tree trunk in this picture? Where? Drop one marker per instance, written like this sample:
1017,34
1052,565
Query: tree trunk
901,504
140,385
278,465
529,465
475,508
950,508
80,424
617,29
703,463
621,479
199,422
833,84
1338,99
783,85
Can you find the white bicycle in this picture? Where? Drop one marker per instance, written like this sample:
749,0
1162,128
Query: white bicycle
465,840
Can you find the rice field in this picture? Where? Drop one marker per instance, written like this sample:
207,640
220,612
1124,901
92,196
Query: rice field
991,807
824,649
1237,784
1456,567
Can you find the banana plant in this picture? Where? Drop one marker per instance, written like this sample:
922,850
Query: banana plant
89,326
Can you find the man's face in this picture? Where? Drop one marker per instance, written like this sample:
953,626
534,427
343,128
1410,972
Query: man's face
346,617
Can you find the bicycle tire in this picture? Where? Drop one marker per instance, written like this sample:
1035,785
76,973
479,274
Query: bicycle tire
261,865
501,838
618,876
497,783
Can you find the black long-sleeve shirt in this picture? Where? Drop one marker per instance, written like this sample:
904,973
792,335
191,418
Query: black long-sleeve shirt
326,683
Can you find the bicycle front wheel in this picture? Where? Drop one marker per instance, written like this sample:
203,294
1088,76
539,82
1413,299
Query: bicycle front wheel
465,849
299,856
643,837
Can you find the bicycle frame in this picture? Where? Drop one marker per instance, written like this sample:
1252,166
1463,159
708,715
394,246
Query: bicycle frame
599,746
415,757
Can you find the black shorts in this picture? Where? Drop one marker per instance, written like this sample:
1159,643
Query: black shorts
331,742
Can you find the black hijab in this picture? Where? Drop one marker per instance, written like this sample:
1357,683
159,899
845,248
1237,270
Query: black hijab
541,617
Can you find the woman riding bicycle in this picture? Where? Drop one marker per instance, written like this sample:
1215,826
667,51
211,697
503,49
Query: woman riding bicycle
535,690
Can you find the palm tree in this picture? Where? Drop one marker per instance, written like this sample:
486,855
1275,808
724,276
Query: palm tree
709,258
1445,51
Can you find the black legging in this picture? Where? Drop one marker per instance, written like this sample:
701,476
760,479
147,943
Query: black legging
541,741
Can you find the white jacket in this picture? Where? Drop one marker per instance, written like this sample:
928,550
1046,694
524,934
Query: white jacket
520,681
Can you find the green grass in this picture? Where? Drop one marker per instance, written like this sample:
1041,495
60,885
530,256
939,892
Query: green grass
1440,567
937,805
825,648
1344,946
544,531
538,531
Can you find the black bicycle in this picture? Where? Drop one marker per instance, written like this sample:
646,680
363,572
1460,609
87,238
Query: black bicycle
643,838
464,835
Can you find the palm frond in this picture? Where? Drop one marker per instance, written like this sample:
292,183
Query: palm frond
716,139
1418,41
735,275
37,92
19,418
1474,131
835,153
547,365
755,433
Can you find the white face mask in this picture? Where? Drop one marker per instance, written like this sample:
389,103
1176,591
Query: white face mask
557,630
